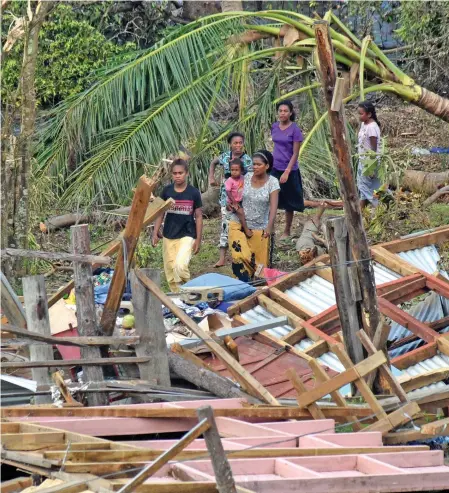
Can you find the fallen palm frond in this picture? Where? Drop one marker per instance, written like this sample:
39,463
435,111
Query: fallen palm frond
219,73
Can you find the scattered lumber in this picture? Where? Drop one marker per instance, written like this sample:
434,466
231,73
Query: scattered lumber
58,257
60,383
397,418
11,306
128,244
439,427
68,341
16,484
409,383
246,380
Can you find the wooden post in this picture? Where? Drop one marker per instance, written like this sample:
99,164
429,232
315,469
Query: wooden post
223,474
131,235
150,327
350,313
348,189
36,310
10,304
85,310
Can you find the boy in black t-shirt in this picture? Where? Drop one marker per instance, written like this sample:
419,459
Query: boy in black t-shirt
183,226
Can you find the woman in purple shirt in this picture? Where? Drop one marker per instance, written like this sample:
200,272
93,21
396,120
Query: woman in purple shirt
287,138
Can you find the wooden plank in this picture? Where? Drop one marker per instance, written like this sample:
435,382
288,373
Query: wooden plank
435,237
86,313
68,341
294,336
415,356
396,437
247,303
243,330
268,413
73,362
36,310
278,310
406,320
403,290
439,285
300,388
384,369
293,306
317,349
248,382
56,256
147,455
16,484
9,428
59,382
169,454
222,469
31,441
399,417
149,324
393,262
171,486
348,308
412,383
322,377
10,304
361,385
350,375
133,228
443,345
439,427
156,207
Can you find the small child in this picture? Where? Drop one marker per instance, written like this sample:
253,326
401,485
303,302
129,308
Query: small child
234,192
183,226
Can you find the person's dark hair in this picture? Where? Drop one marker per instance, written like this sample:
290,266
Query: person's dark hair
239,162
287,102
266,157
370,108
180,162
235,134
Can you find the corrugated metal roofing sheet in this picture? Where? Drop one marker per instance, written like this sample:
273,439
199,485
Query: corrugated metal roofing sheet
383,274
259,313
315,293
426,258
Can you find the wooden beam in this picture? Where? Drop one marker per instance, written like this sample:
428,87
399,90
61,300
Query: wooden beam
399,417
222,469
300,388
169,454
409,383
31,441
56,256
278,310
86,312
131,235
267,413
156,207
360,383
406,320
349,308
322,377
73,362
294,307
10,304
149,324
248,382
59,382
38,320
350,375
68,341
384,369
439,427
405,291
415,356
443,345
439,285
435,237
392,261
16,484
146,455
243,330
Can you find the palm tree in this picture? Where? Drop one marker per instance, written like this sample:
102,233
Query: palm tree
192,88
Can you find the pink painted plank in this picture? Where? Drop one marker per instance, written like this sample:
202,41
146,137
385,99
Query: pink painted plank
302,427
369,465
315,442
287,469
264,442
229,427
368,439
412,459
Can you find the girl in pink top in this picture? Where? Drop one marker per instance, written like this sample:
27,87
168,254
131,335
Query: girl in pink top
234,192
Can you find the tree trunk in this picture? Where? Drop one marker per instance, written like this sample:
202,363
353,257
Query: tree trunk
434,104
231,6
194,9
18,178
422,182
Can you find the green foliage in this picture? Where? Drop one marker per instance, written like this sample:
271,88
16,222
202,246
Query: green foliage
70,50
